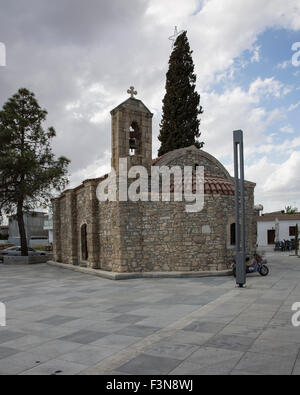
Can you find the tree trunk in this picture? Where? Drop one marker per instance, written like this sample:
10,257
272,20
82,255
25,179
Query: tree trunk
22,231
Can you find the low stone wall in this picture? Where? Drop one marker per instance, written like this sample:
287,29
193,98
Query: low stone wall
25,260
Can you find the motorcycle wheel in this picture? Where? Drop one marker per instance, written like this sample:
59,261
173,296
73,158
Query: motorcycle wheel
264,271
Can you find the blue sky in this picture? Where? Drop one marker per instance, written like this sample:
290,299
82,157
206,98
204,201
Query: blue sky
274,61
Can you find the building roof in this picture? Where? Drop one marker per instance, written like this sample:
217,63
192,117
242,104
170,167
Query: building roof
279,215
217,185
133,102
214,184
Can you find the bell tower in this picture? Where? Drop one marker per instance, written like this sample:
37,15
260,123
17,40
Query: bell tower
131,133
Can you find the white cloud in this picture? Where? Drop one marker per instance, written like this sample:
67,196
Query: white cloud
267,87
278,184
237,108
98,168
171,12
285,176
256,54
286,147
293,107
284,64
287,129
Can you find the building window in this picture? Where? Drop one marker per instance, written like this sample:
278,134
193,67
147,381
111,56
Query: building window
292,230
232,234
134,136
84,248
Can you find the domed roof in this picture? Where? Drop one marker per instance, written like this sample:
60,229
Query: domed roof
217,178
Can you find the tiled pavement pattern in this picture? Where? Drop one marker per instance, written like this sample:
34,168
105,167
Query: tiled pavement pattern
62,322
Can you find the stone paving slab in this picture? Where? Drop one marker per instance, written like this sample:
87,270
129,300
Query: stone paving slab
65,322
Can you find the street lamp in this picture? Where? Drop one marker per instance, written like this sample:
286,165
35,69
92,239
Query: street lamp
240,232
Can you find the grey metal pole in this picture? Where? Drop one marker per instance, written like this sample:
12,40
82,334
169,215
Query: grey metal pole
236,196
239,197
242,188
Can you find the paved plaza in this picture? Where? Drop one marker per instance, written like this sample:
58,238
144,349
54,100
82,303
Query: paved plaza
64,322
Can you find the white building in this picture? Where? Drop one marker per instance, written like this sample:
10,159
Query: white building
276,226
48,225
34,228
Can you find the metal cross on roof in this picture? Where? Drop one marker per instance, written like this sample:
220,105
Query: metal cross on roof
175,35
132,92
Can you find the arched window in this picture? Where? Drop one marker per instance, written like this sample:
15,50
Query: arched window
133,138
84,247
232,234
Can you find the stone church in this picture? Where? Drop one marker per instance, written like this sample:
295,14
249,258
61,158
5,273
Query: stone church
132,237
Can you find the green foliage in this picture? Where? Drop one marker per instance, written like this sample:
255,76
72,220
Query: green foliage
29,171
291,210
180,123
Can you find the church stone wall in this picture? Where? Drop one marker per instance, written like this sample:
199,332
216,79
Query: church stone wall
148,236
161,236
109,234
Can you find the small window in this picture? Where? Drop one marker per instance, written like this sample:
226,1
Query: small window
84,247
292,230
134,137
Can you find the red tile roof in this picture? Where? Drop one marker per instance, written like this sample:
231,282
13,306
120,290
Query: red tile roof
213,185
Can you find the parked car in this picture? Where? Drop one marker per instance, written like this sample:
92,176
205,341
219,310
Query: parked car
16,251
6,245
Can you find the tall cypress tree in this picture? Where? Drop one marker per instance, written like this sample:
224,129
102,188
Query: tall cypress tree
180,123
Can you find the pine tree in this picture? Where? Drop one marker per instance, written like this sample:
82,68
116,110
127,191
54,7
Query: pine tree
29,171
180,123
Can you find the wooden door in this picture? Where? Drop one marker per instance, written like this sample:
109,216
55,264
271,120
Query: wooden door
271,236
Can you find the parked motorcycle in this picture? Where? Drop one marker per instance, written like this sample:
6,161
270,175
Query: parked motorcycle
259,266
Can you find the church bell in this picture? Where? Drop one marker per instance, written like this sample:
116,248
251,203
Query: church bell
132,145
